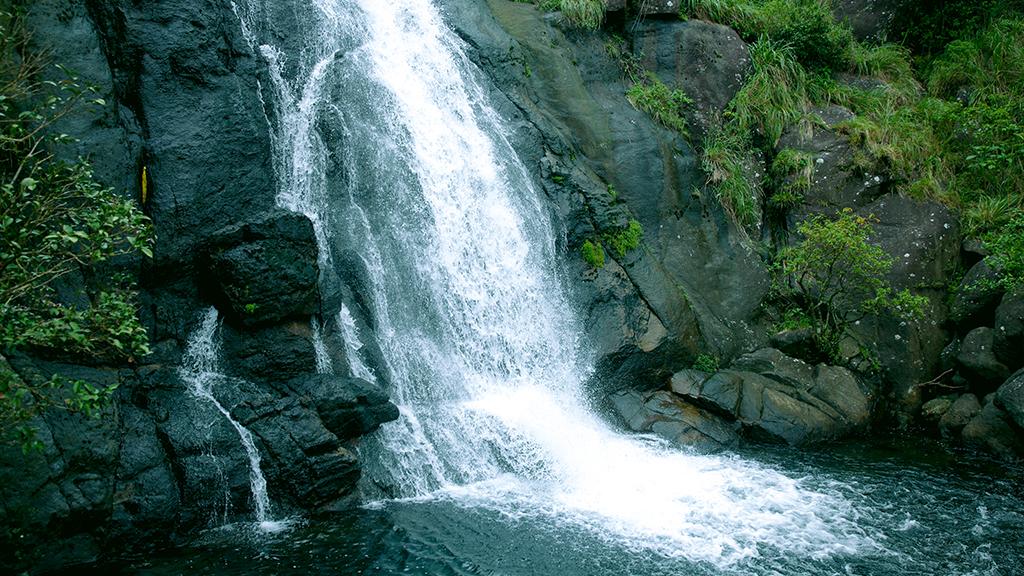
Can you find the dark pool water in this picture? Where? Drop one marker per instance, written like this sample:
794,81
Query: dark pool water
922,511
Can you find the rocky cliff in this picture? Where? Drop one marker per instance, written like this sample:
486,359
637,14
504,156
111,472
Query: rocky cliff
187,107
185,111
699,283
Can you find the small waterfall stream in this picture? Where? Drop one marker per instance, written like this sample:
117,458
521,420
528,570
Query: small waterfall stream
477,331
200,369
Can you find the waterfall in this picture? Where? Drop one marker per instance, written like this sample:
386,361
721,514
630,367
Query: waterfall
353,345
478,334
200,369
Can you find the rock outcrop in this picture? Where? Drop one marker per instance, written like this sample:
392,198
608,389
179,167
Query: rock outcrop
184,110
264,271
669,416
764,396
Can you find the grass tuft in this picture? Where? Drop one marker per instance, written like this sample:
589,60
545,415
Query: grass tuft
665,105
725,151
775,96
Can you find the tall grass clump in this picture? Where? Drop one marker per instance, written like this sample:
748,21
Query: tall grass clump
665,105
775,96
726,150
587,14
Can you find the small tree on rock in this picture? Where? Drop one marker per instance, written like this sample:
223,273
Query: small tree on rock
837,278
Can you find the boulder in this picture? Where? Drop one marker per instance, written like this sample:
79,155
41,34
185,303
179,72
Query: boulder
709,62
679,422
1010,397
836,180
977,297
978,362
933,410
991,430
264,271
869,19
1008,340
797,343
922,239
947,358
349,407
963,410
972,251
777,397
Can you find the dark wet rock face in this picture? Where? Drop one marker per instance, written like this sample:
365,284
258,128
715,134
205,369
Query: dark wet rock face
836,181
960,413
264,271
977,297
994,431
978,362
695,282
922,239
1010,398
183,103
1008,334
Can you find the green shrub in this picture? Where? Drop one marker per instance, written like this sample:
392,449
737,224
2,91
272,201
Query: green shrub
593,254
836,277
792,174
706,363
55,221
665,105
725,151
775,96
626,239
588,14
1006,245
809,27
928,26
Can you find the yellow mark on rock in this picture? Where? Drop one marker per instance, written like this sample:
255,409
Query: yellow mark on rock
145,186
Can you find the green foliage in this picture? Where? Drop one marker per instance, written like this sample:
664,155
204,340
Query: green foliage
928,26
989,214
55,222
1007,247
792,173
706,363
652,96
622,241
960,142
775,95
587,14
807,26
836,277
794,319
613,193
251,308
810,28
725,151
593,254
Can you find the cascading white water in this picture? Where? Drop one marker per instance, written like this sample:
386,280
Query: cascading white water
200,369
478,334
353,345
